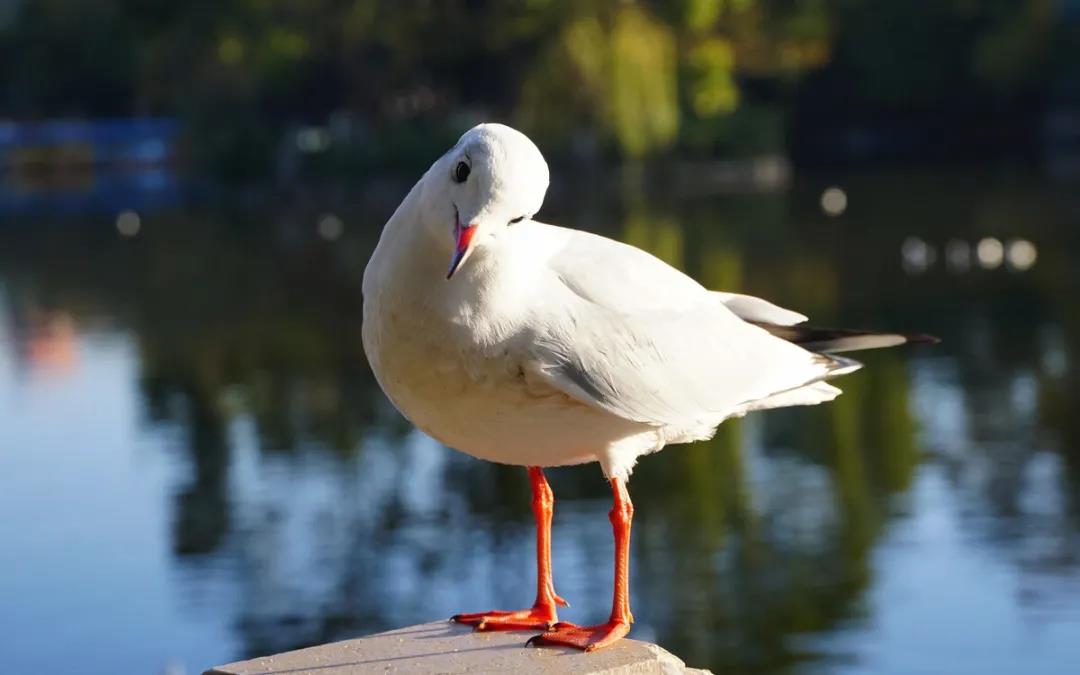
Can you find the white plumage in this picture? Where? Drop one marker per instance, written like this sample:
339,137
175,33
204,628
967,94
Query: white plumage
551,346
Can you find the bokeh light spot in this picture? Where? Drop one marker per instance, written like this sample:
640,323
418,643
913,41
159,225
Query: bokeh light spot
833,201
330,227
1021,254
312,139
128,223
990,253
958,255
917,255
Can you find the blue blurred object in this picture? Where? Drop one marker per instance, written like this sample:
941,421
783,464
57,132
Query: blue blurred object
69,166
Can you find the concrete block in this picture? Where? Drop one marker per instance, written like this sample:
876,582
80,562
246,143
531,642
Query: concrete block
444,647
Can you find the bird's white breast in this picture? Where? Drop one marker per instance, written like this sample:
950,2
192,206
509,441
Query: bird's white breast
452,358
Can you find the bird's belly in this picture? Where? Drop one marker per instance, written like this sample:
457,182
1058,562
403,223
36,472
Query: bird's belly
513,428
486,406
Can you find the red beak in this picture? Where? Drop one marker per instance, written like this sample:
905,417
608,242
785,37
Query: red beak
464,235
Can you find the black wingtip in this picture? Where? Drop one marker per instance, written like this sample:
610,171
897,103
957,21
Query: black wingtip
922,339
834,340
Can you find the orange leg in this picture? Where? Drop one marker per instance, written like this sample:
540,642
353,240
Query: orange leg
591,638
542,614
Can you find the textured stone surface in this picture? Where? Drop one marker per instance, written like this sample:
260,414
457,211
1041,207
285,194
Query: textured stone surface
450,648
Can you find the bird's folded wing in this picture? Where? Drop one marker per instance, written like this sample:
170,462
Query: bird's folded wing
642,341
623,277
749,308
618,276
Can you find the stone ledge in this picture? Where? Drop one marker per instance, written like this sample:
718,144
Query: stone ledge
443,647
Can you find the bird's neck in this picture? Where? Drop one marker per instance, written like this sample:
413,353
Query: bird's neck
488,294
414,244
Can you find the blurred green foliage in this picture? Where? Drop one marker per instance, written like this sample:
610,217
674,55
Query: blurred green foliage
610,78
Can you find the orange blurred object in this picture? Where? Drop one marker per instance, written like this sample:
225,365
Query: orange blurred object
51,345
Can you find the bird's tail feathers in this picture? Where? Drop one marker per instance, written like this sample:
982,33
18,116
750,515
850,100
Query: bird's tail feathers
836,366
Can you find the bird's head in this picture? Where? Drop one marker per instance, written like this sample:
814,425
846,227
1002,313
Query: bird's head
492,178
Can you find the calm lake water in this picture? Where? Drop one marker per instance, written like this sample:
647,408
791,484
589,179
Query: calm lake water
197,466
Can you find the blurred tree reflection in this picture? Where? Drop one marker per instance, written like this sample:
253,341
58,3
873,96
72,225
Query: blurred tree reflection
202,513
227,324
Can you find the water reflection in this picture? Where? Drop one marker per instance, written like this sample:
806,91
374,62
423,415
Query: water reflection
302,509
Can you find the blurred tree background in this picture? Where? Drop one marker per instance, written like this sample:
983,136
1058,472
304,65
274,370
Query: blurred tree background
192,418
343,86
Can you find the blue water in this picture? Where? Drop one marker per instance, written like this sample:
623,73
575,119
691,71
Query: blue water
196,465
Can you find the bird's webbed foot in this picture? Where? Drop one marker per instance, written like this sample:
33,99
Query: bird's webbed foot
538,617
587,638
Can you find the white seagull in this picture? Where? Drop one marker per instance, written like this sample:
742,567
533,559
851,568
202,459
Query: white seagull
545,346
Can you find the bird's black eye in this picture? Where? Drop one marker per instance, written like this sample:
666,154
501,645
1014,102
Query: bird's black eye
517,220
461,172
